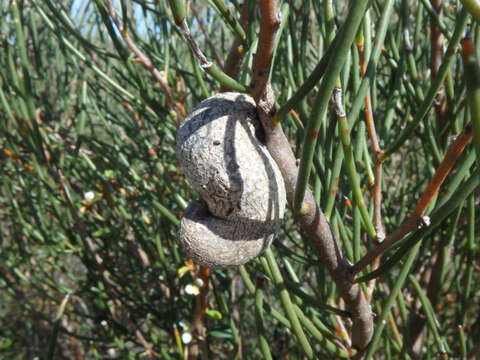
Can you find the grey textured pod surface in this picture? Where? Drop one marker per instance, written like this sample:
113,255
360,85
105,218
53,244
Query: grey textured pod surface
219,149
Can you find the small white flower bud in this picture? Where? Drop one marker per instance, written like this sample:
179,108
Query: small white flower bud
192,289
186,338
112,353
89,195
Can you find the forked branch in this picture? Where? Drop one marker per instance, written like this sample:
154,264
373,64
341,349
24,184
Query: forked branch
312,221
417,219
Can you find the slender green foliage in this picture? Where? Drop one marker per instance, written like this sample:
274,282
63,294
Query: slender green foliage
91,193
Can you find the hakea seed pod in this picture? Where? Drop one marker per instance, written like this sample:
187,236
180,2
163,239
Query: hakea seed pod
221,152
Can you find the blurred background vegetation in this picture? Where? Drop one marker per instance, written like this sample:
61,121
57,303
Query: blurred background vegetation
91,192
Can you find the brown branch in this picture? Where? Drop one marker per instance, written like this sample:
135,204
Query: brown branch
144,60
436,39
436,55
416,219
417,320
312,222
377,170
269,24
377,191
235,55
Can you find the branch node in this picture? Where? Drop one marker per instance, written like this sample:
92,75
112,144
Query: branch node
278,20
380,236
206,65
423,221
337,100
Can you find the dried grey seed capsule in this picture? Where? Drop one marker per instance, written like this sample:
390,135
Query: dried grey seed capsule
242,189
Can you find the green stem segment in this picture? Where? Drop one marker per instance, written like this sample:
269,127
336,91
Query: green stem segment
436,83
472,78
178,9
230,19
287,304
335,64
56,327
437,218
367,80
353,176
390,301
264,348
224,80
473,7
209,67
429,314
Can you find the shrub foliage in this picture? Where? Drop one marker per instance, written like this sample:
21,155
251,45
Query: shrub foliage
379,101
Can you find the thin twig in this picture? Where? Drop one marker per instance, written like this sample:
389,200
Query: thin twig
207,37
204,62
416,219
141,339
436,55
377,169
144,60
207,65
369,121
